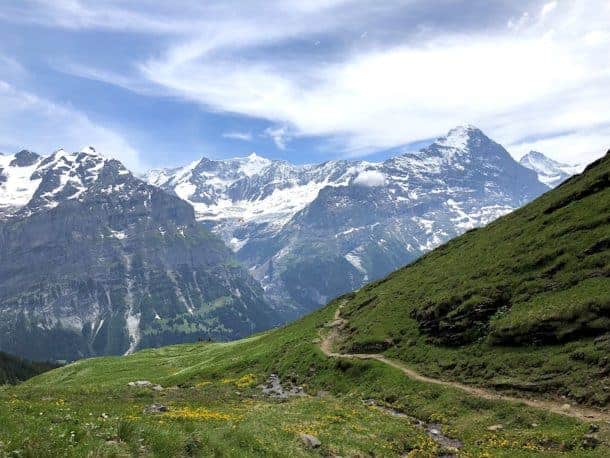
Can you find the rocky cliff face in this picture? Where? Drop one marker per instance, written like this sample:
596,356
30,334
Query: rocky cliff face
310,233
95,261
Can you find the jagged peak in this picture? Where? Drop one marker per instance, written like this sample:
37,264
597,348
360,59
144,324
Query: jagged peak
459,136
536,156
254,157
24,158
89,150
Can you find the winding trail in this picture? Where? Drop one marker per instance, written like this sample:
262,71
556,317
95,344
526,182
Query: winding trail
328,341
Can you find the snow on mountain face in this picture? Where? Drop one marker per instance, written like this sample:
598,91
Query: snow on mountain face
312,232
16,184
100,262
29,182
252,190
550,172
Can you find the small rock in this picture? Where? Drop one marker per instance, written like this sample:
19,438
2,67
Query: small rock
140,383
155,408
534,425
104,416
590,441
497,427
566,407
593,428
145,384
310,441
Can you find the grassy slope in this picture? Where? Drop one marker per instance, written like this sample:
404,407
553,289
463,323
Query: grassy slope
217,409
522,304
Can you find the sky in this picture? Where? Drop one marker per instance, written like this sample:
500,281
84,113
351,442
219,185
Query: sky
158,84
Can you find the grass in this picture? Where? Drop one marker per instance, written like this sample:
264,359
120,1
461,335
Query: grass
217,409
514,305
520,305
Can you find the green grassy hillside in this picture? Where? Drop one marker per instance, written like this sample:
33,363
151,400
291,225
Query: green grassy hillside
217,409
516,306
522,304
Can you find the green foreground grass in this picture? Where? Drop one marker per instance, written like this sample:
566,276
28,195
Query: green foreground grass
216,408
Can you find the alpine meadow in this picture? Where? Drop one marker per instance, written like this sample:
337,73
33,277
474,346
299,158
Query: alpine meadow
322,228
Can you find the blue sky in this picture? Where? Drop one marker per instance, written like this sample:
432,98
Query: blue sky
158,83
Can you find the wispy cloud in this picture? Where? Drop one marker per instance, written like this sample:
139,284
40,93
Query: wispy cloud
383,97
520,70
28,121
244,136
280,136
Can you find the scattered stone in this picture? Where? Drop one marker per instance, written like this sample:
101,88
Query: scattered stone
566,407
534,425
390,411
274,389
593,428
497,427
155,408
104,416
310,441
434,430
140,383
335,324
145,384
590,441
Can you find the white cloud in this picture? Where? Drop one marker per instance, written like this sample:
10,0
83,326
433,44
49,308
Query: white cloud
545,74
28,121
245,136
548,7
383,97
370,178
574,148
280,136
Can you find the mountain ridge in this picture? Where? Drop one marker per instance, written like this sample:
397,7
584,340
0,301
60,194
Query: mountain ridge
414,202
550,172
369,373
99,262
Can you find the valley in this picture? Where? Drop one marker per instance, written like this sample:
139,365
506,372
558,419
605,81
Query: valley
483,387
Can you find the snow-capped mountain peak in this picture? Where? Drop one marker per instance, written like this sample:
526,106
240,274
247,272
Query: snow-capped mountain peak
30,180
550,172
357,219
16,184
254,164
458,137
88,150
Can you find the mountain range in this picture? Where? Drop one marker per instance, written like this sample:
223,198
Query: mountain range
309,233
495,344
95,261
550,172
98,261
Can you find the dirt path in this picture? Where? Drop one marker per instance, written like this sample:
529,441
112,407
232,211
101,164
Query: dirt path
582,413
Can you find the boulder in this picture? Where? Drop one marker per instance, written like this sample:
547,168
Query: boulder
310,441
155,408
